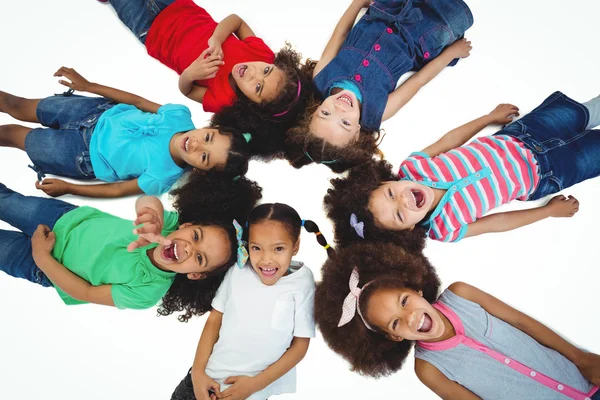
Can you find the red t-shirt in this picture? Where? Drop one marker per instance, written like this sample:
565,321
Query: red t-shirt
180,33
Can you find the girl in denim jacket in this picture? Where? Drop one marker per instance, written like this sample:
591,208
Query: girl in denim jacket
445,190
360,66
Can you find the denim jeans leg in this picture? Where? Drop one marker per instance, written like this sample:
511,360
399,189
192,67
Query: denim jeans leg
138,15
16,258
185,389
26,212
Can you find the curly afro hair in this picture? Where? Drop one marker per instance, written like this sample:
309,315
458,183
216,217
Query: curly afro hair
209,200
268,121
351,195
303,148
387,265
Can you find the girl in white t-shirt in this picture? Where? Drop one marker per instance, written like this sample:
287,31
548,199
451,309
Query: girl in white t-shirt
262,317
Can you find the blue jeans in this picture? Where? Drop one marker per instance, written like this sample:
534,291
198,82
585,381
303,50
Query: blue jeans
566,151
138,15
25,213
63,147
596,396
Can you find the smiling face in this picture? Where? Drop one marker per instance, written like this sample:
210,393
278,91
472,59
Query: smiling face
271,250
400,205
204,149
337,119
258,80
195,250
404,314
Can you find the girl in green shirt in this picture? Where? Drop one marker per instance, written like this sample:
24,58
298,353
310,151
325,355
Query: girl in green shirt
93,257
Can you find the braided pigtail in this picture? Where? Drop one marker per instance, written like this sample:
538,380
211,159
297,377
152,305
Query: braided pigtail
312,227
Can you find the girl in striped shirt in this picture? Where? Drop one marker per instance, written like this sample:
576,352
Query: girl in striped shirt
445,190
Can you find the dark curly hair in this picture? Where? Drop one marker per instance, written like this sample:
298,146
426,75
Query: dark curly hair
209,200
303,148
239,151
289,217
351,195
262,119
387,265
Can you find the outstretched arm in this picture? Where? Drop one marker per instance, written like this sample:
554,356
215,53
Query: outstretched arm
243,386
461,135
446,389
405,92
341,31
57,187
42,243
559,206
588,363
81,84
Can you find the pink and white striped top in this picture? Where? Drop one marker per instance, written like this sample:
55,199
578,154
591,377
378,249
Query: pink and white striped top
479,176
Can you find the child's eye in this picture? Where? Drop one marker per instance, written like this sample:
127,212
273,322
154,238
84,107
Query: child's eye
346,122
255,248
266,70
196,236
258,86
326,113
404,301
203,157
390,194
199,257
394,324
399,216
207,137
279,248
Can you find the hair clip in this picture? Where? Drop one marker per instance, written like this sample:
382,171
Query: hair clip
247,136
242,253
359,227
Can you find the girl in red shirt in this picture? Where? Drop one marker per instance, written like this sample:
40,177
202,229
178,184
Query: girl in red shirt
221,65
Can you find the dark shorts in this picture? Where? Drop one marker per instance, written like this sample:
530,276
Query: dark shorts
63,147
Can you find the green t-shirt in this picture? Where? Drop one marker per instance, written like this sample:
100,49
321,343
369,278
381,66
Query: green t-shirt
93,245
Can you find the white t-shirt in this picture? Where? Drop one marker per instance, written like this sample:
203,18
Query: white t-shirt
259,323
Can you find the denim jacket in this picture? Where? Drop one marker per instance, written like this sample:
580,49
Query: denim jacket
392,38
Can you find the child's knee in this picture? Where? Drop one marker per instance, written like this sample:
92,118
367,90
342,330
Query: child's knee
13,135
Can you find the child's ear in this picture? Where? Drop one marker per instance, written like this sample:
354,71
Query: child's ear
420,293
394,338
196,276
411,228
297,246
185,225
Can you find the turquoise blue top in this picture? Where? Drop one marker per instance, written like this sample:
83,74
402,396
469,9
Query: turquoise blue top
128,143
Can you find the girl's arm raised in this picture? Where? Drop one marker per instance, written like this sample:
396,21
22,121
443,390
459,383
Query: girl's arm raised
343,27
461,135
403,94
243,386
58,187
204,67
81,84
42,244
446,389
559,206
210,334
588,363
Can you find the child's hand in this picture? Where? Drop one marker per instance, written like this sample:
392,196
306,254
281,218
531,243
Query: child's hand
149,231
502,114
204,68
214,48
589,366
78,82
561,206
42,242
461,48
54,187
241,388
203,384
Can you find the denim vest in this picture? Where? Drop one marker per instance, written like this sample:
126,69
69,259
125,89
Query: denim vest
392,38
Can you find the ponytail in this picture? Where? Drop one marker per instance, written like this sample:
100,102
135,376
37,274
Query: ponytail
312,227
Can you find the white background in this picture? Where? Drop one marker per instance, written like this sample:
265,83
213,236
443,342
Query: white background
522,52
